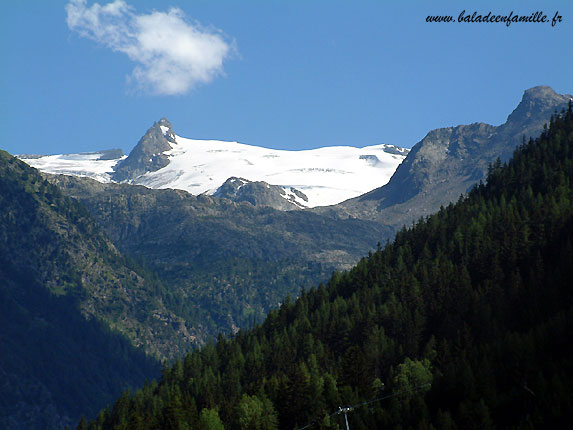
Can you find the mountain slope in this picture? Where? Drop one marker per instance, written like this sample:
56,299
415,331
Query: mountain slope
224,263
449,161
62,285
464,320
65,250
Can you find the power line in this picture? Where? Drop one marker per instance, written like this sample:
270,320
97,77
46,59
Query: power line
346,409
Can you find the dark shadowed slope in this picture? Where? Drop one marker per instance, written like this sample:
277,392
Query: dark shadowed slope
62,285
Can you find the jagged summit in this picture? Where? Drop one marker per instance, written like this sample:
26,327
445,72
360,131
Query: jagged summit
537,101
165,122
541,92
148,155
166,129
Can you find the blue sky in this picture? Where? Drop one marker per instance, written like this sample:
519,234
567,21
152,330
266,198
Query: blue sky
280,74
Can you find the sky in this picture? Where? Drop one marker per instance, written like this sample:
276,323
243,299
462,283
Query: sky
81,76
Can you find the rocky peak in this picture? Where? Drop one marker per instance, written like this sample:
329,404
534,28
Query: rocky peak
540,100
148,155
450,161
164,122
540,93
259,193
167,129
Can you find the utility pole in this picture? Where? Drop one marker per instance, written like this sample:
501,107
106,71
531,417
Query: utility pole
345,411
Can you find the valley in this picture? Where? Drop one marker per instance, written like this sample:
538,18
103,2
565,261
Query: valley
165,271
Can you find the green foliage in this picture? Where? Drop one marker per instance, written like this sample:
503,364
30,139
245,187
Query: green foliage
256,414
209,420
413,375
475,300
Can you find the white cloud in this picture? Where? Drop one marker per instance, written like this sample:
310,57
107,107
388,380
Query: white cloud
172,54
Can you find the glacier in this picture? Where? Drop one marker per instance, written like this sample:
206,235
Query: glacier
327,175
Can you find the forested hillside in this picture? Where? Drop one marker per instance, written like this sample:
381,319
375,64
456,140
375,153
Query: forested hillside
463,321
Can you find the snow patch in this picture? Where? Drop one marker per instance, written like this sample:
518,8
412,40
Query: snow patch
85,164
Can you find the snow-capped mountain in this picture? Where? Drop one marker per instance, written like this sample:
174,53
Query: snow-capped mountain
162,159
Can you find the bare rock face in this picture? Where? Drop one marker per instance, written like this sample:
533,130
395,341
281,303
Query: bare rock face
110,154
260,193
148,155
447,162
